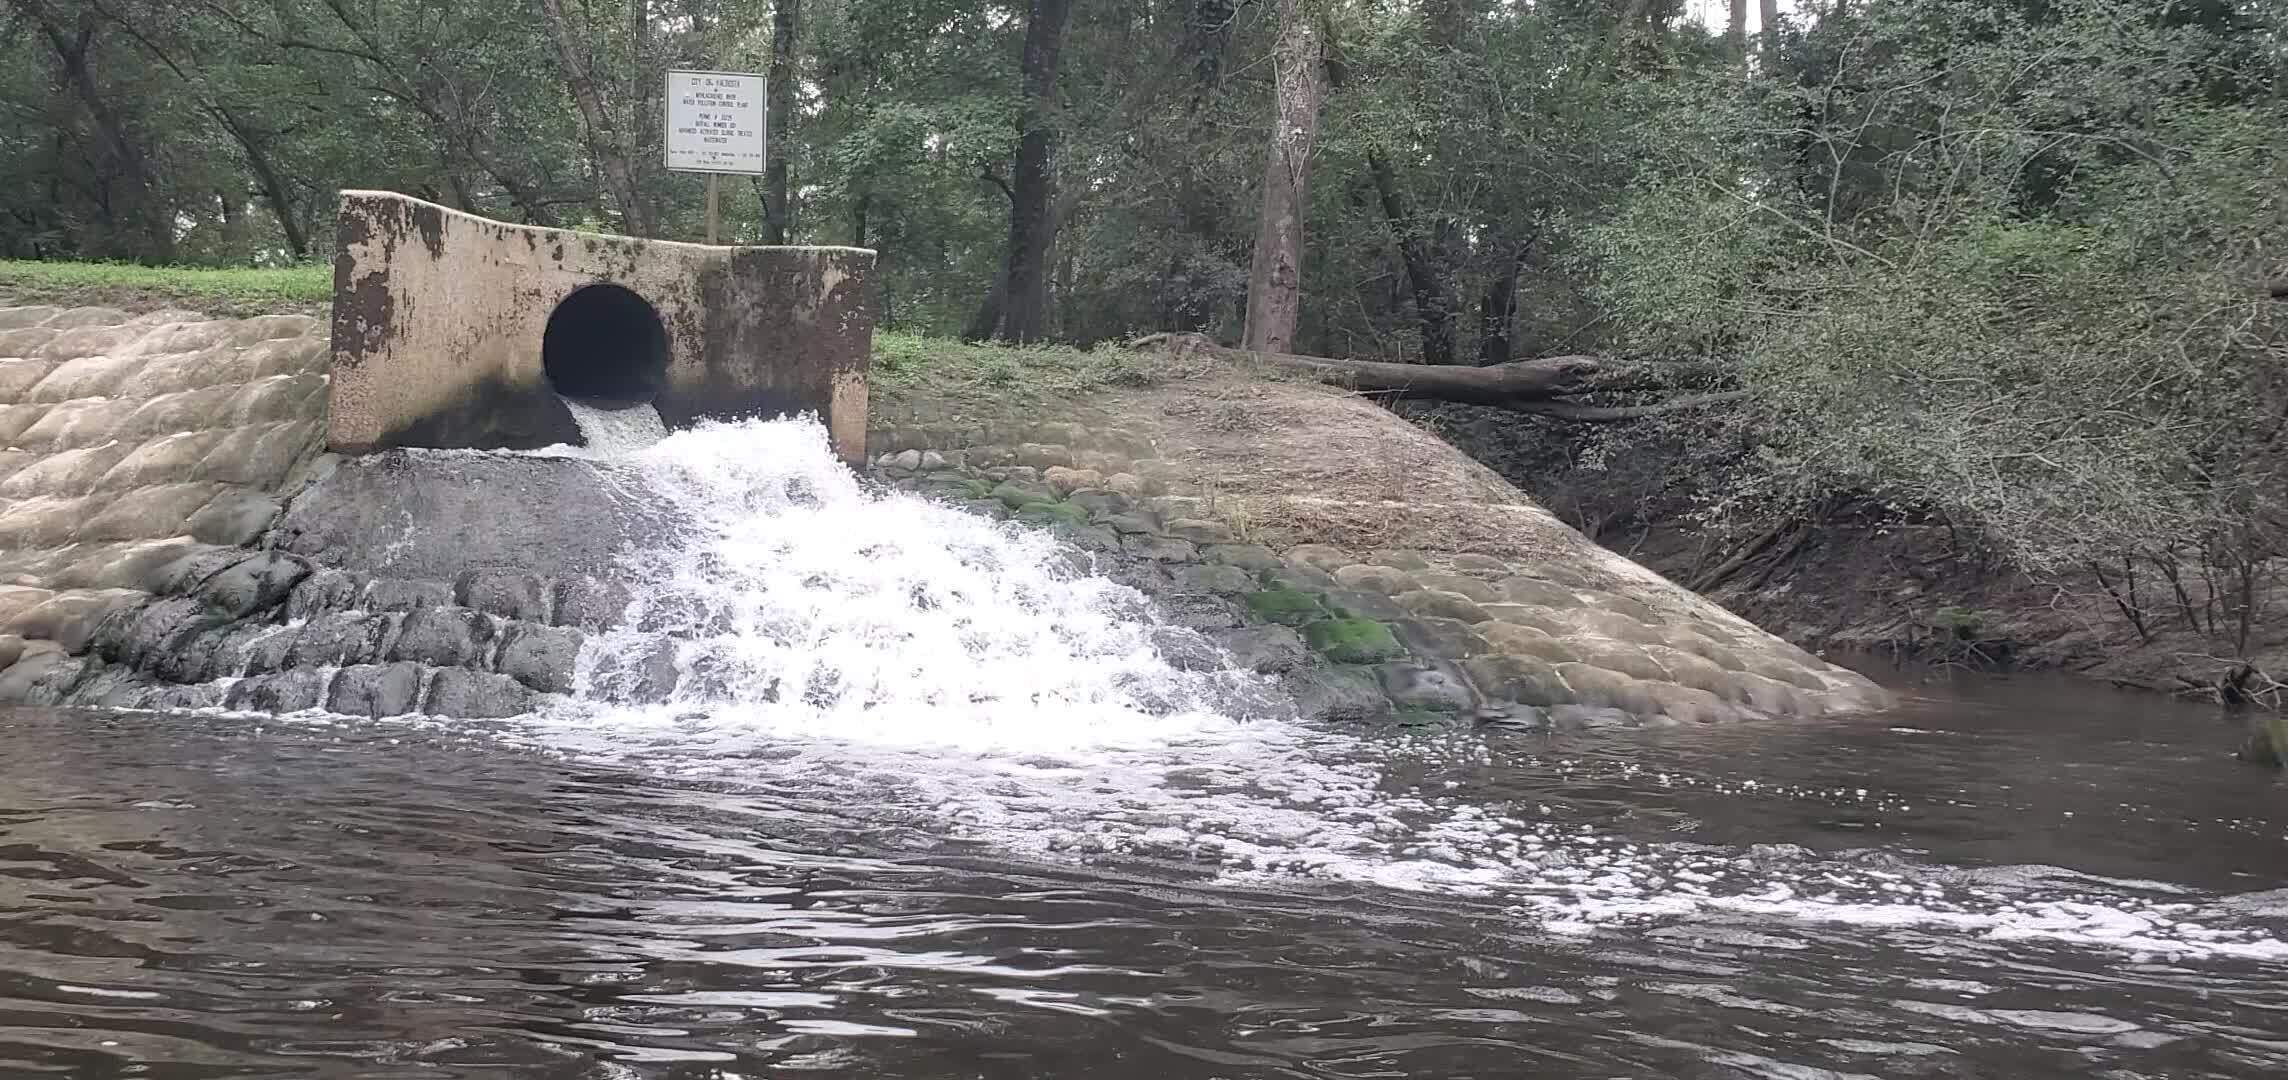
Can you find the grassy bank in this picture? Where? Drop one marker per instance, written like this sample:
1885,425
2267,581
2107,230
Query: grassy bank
943,369
236,291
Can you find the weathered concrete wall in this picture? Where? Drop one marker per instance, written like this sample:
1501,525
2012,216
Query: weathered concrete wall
439,320
130,445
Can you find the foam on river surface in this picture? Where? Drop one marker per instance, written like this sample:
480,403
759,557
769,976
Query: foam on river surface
849,646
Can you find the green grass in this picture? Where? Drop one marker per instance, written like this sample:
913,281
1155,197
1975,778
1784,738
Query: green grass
221,291
943,369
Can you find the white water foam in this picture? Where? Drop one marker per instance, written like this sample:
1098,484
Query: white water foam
910,661
615,433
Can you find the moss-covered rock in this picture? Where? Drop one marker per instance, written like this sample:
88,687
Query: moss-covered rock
1352,641
1285,606
1018,498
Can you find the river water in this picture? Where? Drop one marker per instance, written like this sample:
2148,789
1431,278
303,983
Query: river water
935,809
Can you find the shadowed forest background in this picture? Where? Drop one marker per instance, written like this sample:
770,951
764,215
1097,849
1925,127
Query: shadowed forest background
2002,276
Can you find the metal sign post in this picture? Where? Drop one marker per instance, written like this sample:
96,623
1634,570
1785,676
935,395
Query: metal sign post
716,124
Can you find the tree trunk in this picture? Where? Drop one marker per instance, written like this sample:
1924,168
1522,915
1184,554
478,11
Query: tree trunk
1275,283
71,48
1736,31
604,145
988,317
1426,281
273,186
251,142
1032,226
1497,312
1433,295
1768,22
786,21
1189,298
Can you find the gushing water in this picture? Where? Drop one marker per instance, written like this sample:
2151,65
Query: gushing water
615,433
791,603
798,630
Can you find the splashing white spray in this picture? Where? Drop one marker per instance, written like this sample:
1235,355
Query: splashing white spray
802,632
792,602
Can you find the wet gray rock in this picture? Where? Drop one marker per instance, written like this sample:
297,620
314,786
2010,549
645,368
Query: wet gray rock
1090,538
234,519
173,698
267,649
1134,523
109,686
1100,504
510,594
42,678
1359,604
1269,650
1198,531
376,690
475,695
1420,686
1445,639
1159,549
1343,694
427,517
1303,578
215,653
1211,578
341,637
541,657
1591,718
256,584
394,594
323,591
1515,718
1253,558
590,604
1186,649
443,637
139,636
280,692
183,576
644,677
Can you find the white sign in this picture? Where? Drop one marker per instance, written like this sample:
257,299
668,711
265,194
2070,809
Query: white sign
715,122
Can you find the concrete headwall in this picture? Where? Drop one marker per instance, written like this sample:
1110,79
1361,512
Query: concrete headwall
452,330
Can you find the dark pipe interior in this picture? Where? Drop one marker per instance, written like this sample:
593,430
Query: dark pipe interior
605,345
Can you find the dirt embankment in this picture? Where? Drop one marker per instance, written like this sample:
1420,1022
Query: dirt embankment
1856,578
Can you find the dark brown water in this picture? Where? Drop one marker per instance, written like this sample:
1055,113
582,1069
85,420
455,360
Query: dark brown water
1998,880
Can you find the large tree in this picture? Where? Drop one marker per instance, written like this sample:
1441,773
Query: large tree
1275,285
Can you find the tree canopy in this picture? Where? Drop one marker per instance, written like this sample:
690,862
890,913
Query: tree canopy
2017,263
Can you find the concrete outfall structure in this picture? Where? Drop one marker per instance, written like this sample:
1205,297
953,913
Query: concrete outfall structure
175,534
452,331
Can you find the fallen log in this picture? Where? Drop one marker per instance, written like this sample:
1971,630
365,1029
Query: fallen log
1531,386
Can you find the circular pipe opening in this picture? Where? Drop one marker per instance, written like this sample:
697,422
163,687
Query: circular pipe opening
605,346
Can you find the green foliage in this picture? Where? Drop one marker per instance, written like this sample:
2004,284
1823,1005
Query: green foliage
1999,264
952,370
